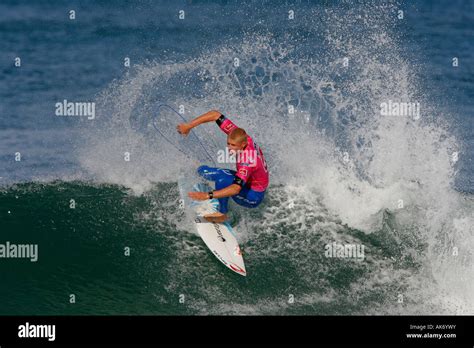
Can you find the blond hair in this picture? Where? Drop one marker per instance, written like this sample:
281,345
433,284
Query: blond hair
238,135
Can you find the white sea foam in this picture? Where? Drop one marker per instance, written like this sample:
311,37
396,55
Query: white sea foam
335,156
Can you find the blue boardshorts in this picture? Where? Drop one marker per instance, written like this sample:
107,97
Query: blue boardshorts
225,177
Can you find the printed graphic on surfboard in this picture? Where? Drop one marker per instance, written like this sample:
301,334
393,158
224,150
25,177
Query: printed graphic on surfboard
220,238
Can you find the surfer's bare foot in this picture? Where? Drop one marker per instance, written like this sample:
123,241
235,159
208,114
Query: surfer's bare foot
216,217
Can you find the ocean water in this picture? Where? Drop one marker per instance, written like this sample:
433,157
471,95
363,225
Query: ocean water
308,90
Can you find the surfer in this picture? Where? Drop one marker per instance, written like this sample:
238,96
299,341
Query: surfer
247,184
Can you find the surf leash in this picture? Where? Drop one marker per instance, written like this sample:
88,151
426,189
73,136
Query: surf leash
169,141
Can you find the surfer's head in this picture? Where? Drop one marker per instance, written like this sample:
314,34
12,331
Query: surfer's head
237,140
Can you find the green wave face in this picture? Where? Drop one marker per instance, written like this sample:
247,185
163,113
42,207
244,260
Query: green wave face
83,232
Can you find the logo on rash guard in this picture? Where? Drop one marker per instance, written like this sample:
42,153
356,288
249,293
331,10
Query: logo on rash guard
229,127
243,172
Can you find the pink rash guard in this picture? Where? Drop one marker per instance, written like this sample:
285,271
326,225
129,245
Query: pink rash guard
251,165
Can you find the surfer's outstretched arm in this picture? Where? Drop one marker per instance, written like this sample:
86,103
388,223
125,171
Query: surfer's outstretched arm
210,116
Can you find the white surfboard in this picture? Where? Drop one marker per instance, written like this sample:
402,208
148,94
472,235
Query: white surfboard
220,238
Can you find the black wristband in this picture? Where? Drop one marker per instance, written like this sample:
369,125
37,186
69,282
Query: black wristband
211,194
238,181
220,120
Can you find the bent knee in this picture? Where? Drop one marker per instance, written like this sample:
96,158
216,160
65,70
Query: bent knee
203,169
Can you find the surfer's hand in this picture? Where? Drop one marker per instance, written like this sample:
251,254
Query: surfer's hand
198,196
183,128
